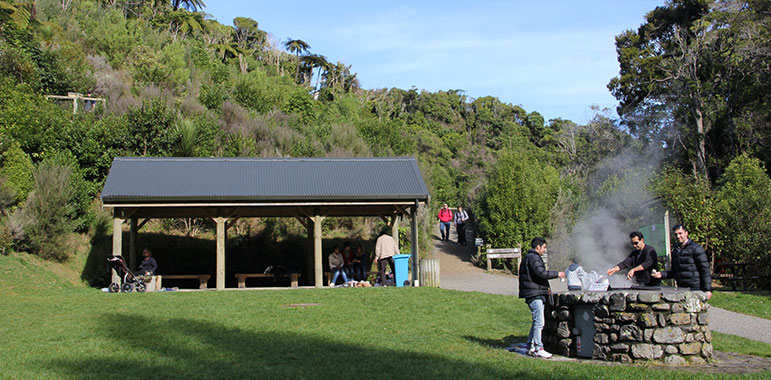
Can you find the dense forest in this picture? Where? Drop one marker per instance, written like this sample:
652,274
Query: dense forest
692,135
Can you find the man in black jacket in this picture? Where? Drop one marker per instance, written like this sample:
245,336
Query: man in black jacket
642,262
690,265
534,287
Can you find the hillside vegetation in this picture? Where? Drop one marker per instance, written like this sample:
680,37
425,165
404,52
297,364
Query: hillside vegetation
178,83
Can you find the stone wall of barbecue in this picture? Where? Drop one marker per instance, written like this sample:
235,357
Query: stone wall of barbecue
666,326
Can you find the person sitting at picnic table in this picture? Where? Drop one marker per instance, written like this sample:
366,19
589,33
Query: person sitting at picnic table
360,263
348,259
336,265
148,266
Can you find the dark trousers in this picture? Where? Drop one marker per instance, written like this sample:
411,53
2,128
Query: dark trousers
461,228
381,266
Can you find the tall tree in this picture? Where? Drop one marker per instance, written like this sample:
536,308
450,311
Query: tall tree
314,61
679,75
191,5
297,47
249,38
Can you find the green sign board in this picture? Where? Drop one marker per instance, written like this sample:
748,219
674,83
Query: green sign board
655,235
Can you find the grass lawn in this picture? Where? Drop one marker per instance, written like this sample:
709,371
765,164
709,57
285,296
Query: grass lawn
756,302
53,329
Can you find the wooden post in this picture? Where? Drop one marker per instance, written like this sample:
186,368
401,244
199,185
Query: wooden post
667,241
133,263
309,268
117,242
220,252
414,245
317,263
395,229
489,263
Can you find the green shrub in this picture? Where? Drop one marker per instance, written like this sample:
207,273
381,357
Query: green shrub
47,215
113,35
694,205
95,143
150,128
16,63
213,96
37,124
195,137
17,169
301,103
258,92
517,200
744,210
81,192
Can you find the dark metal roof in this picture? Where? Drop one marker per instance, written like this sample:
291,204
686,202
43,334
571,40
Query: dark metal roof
213,180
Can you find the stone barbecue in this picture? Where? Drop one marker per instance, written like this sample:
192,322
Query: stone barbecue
666,325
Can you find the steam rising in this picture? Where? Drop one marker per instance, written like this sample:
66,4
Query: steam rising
619,204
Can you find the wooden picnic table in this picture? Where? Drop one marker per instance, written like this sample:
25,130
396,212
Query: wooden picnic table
733,272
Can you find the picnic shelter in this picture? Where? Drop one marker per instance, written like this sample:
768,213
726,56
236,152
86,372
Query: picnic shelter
224,190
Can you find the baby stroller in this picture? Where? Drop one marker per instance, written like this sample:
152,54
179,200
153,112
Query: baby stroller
130,282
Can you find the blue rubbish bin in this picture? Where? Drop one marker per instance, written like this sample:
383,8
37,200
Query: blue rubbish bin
401,264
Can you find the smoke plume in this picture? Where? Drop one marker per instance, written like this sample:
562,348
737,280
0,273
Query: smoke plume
618,203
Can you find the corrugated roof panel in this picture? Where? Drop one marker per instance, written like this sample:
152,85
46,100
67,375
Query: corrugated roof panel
262,179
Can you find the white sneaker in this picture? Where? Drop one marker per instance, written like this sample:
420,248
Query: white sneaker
541,353
531,352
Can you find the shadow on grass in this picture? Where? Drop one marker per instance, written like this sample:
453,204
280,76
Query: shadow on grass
498,343
192,349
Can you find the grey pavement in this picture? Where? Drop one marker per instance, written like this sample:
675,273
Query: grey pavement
458,273
747,326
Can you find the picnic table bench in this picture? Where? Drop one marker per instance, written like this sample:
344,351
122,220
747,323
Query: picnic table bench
736,272
503,253
329,275
202,278
293,277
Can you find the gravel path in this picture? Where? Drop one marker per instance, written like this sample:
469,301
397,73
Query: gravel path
458,273
728,322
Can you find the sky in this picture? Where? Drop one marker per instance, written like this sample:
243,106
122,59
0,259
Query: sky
555,57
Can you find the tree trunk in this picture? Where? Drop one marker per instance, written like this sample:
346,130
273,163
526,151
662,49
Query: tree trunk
242,63
701,143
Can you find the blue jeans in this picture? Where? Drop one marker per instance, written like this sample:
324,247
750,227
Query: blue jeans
360,271
444,228
536,309
337,272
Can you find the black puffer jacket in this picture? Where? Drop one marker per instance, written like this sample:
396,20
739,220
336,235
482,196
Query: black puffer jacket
690,267
533,276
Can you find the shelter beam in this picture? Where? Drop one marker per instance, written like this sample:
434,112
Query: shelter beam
139,227
231,223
